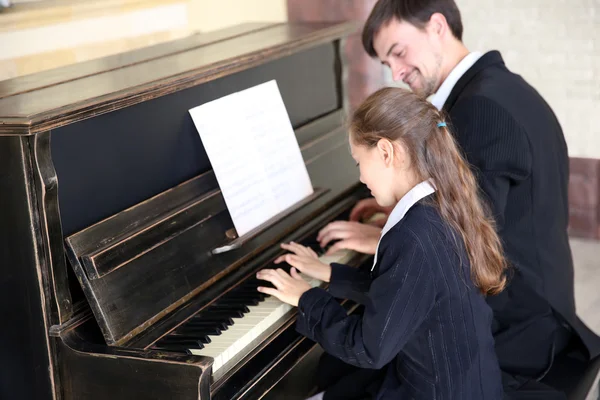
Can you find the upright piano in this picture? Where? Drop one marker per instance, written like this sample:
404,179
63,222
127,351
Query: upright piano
110,211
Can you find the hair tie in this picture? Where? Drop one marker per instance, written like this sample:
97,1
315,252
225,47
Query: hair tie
441,124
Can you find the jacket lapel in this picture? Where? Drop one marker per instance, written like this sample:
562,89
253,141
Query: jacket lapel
488,59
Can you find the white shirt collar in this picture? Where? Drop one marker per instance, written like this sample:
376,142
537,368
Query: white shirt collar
415,194
440,97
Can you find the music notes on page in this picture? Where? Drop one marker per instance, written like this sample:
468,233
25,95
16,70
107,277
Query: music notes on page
254,153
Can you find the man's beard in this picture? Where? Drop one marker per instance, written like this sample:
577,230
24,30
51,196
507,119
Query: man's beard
429,84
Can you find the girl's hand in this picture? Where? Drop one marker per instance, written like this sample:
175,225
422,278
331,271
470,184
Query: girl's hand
288,288
366,209
306,261
356,236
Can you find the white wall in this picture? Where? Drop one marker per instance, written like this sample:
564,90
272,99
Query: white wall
49,34
555,46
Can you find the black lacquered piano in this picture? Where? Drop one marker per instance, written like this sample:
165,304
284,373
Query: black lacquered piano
110,287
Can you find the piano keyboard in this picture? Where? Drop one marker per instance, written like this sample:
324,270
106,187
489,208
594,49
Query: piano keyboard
236,323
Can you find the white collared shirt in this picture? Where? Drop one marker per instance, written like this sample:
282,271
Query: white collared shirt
440,97
415,194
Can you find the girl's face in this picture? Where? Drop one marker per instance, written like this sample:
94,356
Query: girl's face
385,169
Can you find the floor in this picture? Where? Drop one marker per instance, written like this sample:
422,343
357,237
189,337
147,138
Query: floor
586,256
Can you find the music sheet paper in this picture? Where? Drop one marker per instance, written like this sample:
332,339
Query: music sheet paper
254,153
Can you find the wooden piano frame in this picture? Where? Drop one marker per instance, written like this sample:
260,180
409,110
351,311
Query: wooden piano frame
109,210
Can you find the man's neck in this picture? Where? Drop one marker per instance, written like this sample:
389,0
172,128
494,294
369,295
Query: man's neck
454,55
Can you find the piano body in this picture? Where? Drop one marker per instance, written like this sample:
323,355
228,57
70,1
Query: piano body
110,212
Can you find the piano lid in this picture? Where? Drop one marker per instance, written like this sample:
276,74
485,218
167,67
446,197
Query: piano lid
63,96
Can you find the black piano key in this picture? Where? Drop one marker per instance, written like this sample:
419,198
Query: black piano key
215,318
231,312
222,304
199,336
247,300
315,246
204,325
190,335
200,330
222,325
177,348
252,283
172,340
184,340
250,293
234,304
179,345
187,336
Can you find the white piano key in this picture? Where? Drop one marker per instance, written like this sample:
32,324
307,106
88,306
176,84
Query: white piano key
253,324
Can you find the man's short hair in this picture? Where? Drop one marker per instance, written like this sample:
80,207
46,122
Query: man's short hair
416,12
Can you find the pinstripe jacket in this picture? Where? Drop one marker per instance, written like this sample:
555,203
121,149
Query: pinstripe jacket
424,320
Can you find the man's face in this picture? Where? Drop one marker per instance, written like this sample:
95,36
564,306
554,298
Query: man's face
413,55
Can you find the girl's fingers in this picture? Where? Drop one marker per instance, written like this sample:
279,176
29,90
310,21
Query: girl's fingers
269,291
270,275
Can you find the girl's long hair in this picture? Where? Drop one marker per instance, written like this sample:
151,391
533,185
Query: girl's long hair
401,116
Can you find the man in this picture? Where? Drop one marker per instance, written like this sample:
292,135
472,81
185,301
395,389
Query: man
515,144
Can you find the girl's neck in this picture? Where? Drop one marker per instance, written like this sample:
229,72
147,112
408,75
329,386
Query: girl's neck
407,180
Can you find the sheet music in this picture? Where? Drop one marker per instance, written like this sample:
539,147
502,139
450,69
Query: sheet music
254,153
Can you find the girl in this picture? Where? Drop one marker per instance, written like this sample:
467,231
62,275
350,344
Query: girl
425,322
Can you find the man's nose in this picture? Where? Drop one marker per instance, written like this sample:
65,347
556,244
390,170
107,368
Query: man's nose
398,72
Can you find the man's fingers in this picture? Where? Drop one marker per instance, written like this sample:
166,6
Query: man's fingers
361,209
342,244
357,211
337,234
331,226
348,244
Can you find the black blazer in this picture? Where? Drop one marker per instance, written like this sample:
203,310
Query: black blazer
424,321
517,149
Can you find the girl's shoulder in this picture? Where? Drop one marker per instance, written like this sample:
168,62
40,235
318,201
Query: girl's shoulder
422,219
424,226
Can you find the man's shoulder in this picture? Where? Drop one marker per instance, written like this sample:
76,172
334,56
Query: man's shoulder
489,79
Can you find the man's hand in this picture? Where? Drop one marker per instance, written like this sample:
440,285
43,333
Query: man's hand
366,209
306,261
362,238
288,288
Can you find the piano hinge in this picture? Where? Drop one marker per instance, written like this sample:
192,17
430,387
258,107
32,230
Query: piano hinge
81,315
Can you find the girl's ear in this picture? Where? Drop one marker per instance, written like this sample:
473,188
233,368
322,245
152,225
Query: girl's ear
387,151
392,153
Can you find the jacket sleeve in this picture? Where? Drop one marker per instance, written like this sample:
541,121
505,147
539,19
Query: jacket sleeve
349,283
495,145
399,300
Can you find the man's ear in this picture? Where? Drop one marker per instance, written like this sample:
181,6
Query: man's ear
437,24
